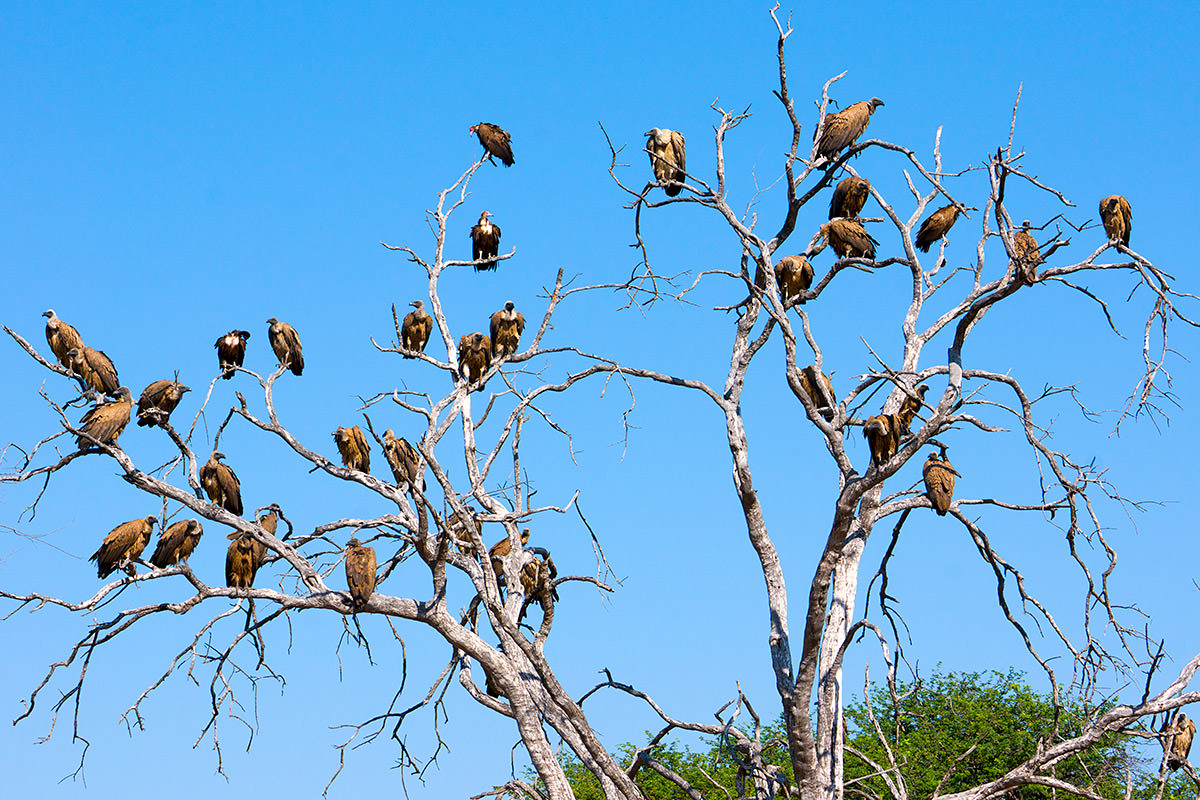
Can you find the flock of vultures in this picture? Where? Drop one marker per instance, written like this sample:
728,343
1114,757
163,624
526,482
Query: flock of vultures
844,232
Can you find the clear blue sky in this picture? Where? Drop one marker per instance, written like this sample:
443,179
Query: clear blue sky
170,173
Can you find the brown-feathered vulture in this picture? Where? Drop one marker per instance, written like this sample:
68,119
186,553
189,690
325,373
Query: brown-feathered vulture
849,238
1025,254
849,197
537,581
883,436
241,563
158,400
809,382
360,573
95,368
668,158
270,523
793,276
910,407
485,243
495,140
104,422
502,548
286,344
507,326
843,128
123,545
460,533
414,333
937,225
1181,745
231,352
221,484
62,338
404,460
177,543
352,445
474,356
1114,211
939,483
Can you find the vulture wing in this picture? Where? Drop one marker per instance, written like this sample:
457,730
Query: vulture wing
937,225
104,422
62,338
496,141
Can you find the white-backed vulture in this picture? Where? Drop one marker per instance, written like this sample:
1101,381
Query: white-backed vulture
177,543
231,352
668,158
1114,211
240,561
414,333
939,483
849,238
158,400
843,128
495,140
485,243
937,225
122,546
883,437
910,407
360,573
404,460
502,548
221,484
849,197
95,368
352,445
793,276
507,326
104,422
809,382
474,356
1181,745
286,344
63,338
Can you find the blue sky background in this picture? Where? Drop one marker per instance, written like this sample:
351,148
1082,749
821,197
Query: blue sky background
171,173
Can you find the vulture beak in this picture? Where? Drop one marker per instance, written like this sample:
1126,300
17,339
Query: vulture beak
185,388
47,314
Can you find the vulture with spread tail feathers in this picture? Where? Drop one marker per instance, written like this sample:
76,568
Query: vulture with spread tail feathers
507,326
883,436
809,383
1114,211
495,140
843,128
221,484
404,460
668,158
177,543
849,239
63,338
937,225
158,400
474,356
485,243
352,445
231,352
849,197
939,483
793,276
360,573
123,546
414,333
95,368
1181,746
286,344
104,422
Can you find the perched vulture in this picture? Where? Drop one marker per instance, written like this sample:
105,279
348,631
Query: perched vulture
241,562
221,484
62,337
1026,255
507,327
95,368
231,352
495,140
793,275
1114,210
849,198
270,523
485,243
844,127
808,381
910,407
937,225
474,356
414,333
286,344
158,400
404,460
177,543
883,435
668,159
939,483
104,422
123,546
537,581
460,534
360,573
502,548
352,444
1181,745
849,239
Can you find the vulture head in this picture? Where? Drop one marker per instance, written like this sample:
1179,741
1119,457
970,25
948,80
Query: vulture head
419,305
874,103
389,434
477,339
508,305
660,136
49,314
150,520
216,456
125,394
1025,226
272,321
353,543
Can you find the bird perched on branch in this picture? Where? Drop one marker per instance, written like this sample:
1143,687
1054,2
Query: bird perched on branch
1025,254
286,344
177,543
414,333
793,276
668,158
849,197
158,400
910,407
1180,746
1117,217
507,326
360,573
352,445
95,368
495,140
485,243
459,531
498,551
270,523
104,422
474,356
231,351
808,382
122,546
883,437
221,484
404,460
843,128
937,225
241,564
63,338
849,239
537,582
939,482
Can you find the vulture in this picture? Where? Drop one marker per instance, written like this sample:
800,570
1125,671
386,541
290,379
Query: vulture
808,381
104,422
353,446
910,407
474,356
1026,255
158,400
537,581
1181,745
360,573
231,352
270,524
485,243
883,436
502,548
122,546
459,534
844,127
849,239
177,543
495,140
286,344
62,337
404,460
241,561
507,327
1114,210
414,333
95,368
939,483
849,198
668,159
221,484
937,225
793,275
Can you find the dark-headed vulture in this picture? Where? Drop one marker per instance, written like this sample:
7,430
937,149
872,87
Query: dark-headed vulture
104,422
939,483
474,356
495,140
404,460
1114,211
221,484
883,436
123,545
158,400
849,198
809,382
485,243
793,276
910,407
498,551
849,238
177,543
95,368
231,352
414,333
937,225
62,338
352,445
1181,745
668,159
1026,255
241,564
360,573
507,326
843,128
286,344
